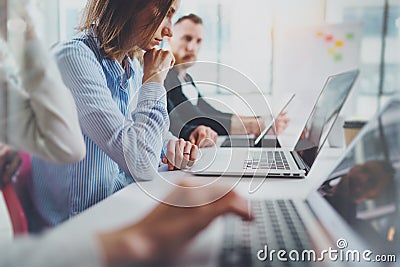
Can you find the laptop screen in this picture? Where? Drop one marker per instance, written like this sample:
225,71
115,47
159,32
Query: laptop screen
364,187
324,114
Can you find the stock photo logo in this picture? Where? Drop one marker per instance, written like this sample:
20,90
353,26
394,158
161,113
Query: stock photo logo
195,103
342,252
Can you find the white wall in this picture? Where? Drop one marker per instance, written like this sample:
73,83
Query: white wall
247,39
244,42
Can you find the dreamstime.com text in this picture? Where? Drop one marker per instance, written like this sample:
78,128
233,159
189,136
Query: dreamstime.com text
340,253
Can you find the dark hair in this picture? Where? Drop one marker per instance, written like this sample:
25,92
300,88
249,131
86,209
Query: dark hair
192,17
112,22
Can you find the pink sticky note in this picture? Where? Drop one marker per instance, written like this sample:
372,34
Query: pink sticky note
329,38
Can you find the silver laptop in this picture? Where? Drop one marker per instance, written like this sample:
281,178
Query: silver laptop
354,212
278,162
260,141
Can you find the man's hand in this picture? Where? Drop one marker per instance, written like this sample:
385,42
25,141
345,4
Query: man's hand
162,234
203,136
156,65
255,125
181,154
247,125
9,163
281,124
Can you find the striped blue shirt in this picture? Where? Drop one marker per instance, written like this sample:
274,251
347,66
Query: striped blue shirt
123,140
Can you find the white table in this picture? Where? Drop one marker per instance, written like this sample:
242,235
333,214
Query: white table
132,203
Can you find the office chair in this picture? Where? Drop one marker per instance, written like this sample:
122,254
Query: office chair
15,210
16,196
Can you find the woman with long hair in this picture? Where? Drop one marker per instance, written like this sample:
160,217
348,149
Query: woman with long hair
106,70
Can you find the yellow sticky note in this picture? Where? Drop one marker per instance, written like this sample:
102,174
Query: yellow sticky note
339,43
331,51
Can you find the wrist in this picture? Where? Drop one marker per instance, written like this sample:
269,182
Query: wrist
30,33
152,80
138,246
238,125
125,246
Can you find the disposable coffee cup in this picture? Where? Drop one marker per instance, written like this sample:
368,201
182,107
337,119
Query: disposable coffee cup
351,129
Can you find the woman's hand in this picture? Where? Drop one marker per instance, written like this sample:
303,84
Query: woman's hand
181,154
156,65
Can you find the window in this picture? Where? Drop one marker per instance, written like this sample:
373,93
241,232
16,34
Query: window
238,35
69,17
371,14
3,96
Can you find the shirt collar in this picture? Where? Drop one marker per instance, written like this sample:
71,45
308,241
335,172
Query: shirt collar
116,71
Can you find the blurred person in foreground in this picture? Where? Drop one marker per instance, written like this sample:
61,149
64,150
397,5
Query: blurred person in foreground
44,122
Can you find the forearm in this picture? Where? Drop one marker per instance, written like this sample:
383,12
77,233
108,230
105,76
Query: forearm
126,247
247,124
43,118
135,141
150,125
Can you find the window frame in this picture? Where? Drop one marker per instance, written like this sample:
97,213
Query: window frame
3,93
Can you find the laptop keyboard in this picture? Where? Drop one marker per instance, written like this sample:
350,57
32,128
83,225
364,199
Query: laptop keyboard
266,160
277,224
